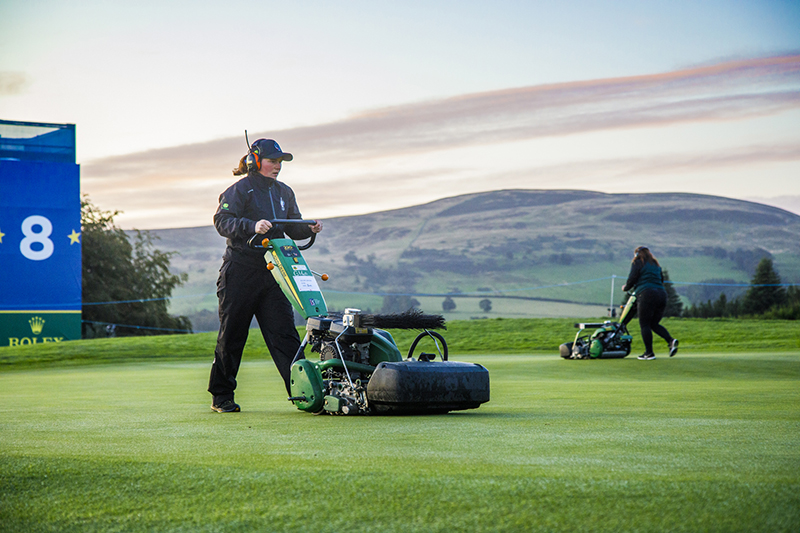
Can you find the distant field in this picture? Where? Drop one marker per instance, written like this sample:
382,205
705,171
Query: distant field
469,308
700,442
199,293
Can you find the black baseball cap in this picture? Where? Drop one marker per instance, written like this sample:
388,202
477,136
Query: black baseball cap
269,149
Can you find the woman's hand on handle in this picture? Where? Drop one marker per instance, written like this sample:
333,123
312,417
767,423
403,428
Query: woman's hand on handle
316,228
263,226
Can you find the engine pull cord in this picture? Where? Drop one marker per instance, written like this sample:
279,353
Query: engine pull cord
436,343
341,356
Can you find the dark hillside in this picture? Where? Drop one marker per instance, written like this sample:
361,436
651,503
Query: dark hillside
521,239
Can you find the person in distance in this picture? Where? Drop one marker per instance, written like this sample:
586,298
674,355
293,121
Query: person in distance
647,283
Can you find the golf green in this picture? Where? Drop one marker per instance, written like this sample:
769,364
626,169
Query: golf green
705,442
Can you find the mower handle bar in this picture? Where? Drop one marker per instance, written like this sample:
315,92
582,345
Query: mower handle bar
253,242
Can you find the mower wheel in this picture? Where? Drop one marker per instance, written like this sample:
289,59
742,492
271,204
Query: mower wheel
565,350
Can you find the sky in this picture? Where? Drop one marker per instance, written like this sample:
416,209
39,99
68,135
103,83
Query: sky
390,104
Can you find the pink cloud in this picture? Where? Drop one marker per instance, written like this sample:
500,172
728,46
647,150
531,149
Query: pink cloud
723,92
732,90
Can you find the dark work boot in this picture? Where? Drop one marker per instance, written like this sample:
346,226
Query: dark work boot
227,406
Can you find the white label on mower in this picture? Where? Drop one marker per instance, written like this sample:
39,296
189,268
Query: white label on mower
306,283
299,267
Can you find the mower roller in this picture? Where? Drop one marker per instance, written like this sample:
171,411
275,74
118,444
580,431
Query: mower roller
360,368
610,340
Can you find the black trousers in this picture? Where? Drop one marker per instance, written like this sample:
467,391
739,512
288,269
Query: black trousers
245,292
652,303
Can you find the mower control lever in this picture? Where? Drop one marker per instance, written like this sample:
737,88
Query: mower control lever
255,240
435,336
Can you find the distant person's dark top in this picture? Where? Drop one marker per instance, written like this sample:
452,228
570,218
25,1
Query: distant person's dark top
645,276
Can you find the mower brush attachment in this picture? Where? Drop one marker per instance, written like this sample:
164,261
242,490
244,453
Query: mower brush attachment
411,319
360,369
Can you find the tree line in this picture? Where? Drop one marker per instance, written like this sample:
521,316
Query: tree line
126,282
765,298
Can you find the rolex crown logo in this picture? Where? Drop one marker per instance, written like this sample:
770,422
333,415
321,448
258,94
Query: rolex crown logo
37,323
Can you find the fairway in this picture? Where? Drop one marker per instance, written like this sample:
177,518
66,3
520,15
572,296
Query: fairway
706,442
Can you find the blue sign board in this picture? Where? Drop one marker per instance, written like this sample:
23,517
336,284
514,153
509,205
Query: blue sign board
40,239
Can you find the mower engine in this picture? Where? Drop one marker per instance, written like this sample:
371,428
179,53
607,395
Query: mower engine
339,342
361,371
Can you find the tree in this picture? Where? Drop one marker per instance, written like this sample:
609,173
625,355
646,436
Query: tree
398,303
674,303
486,305
710,289
790,310
134,274
448,304
372,276
748,260
765,291
721,307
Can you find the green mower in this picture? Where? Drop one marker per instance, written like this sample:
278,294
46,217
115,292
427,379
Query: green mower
610,340
360,369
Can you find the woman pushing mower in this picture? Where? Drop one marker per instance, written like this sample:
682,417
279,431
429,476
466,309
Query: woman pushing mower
245,287
647,283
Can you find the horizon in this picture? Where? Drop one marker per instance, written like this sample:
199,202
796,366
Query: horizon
411,207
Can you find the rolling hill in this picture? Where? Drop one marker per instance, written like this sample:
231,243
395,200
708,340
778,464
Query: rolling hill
530,252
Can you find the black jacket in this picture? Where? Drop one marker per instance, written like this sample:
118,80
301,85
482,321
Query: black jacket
247,201
644,276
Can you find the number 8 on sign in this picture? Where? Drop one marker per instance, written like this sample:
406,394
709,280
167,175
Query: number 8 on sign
40,237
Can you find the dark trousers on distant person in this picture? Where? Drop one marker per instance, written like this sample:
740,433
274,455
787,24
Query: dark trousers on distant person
651,304
245,292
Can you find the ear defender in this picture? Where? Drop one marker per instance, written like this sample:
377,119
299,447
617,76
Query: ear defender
253,161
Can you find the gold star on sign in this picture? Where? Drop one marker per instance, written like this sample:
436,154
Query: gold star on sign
1,236
74,237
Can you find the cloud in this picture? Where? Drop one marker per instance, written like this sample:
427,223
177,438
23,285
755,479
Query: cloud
734,90
608,174
13,83
789,203
728,91
747,156
365,191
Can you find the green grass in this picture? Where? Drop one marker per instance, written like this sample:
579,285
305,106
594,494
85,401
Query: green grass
497,336
699,442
